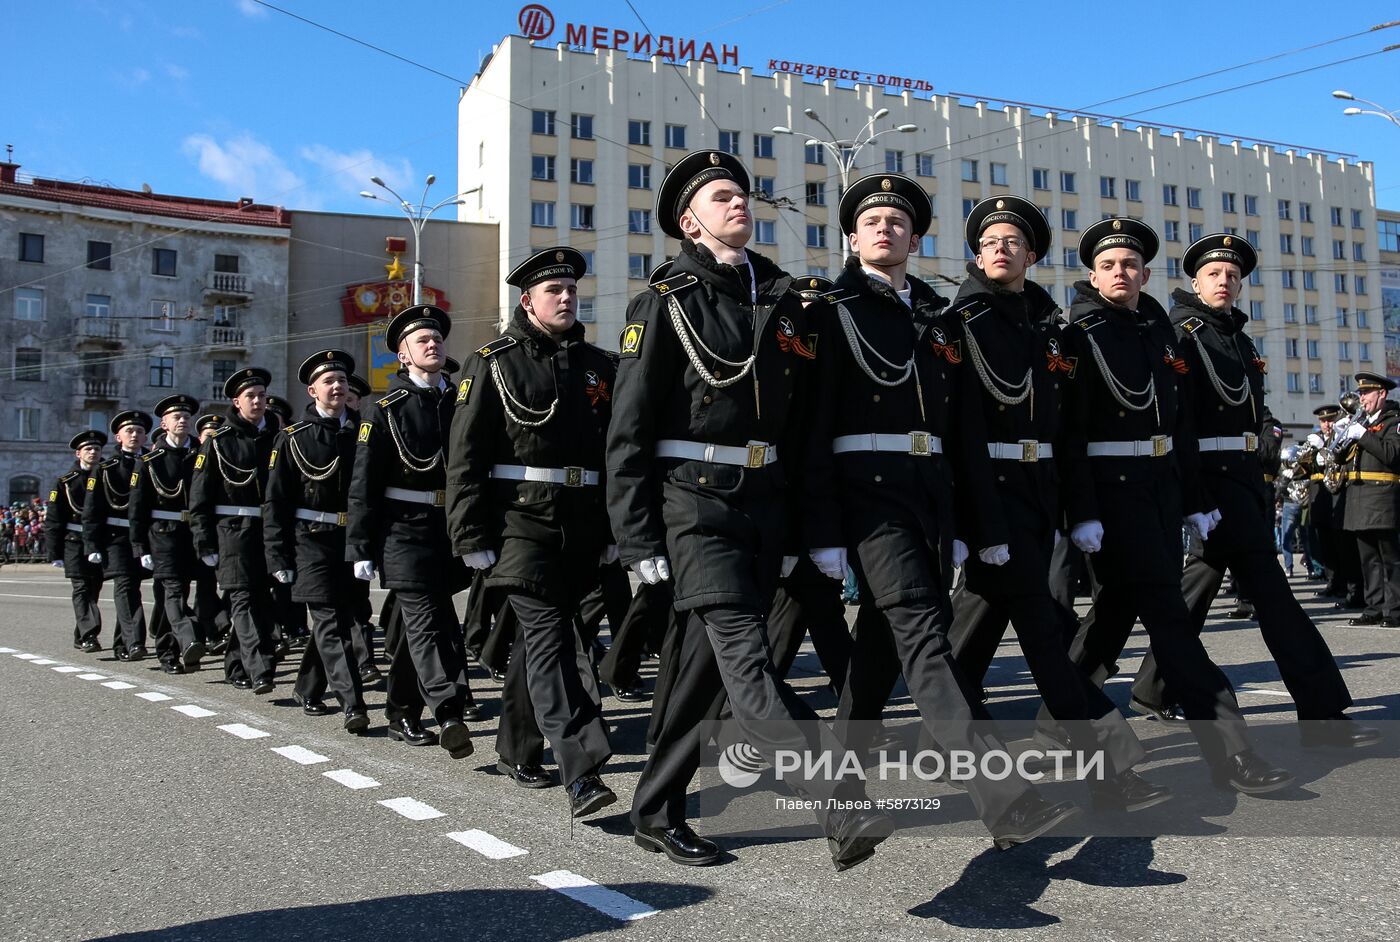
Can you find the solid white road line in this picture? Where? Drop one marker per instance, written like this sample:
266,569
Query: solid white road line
487,845
350,778
300,755
585,891
412,808
119,685
154,697
92,676
189,709
243,731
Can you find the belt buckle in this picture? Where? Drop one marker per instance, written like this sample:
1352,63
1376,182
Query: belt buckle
342,519
919,444
573,477
1159,446
757,454
1030,450
1251,441
439,498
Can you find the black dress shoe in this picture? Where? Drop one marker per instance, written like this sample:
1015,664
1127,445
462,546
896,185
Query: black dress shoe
1364,621
370,676
1127,791
1029,817
588,794
119,653
171,667
471,712
241,683
679,843
526,776
630,693
77,644
137,653
409,731
312,706
1170,715
264,686
356,721
219,646
193,653
497,675
1390,623
91,647
855,836
1241,611
283,647
455,738
1340,731
1350,605
1248,774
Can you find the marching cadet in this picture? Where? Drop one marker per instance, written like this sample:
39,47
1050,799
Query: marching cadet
880,490
525,504
1129,467
360,605
398,527
288,615
107,531
210,607
1373,499
65,536
1226,378
308,480
1008,329
160,531
706,415
226,494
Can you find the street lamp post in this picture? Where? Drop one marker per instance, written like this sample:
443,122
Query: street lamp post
845,150
1392,116
417,216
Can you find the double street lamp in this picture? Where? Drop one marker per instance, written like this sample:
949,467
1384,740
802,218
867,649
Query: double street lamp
1392,116
845,150
418,215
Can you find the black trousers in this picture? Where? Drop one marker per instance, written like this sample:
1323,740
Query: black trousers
723,653
427,655
808,602
177,629
210,608
329,661
1379,553
289,616
87,617
126,594
1305,663
1346,576
362,628
610,599
642,628
249,653
559,688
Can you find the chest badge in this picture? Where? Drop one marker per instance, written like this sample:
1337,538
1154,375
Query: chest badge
938,339
1170,358
790,342
1057,362
596,388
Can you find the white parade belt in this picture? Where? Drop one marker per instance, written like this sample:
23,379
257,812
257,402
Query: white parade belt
1154,447
1026,450
231,510
908,443
431,498
118,522
320,516
569,476
180,515
752,455
1245,442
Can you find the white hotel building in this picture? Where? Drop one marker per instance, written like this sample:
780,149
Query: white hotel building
569,147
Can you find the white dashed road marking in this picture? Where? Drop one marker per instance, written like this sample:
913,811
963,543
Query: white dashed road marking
119,685
189,709
27,657
1265,690
7,650
67,669
351,779
487,845
585,891
92,676
43,661
299,755
412,808
154,697
243,731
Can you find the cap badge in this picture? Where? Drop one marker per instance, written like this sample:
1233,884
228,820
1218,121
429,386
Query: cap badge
714,159
558,256
885,184
1001,204
1225,241
1117,224
813,283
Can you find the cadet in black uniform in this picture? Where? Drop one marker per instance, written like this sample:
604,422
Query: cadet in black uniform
1373,499
398,525
706,427
65,537
288,615
107,531
360,606
525,504
160,531
1316,458
1129,467
308,481
230,474
210,606
1008,330
1226,378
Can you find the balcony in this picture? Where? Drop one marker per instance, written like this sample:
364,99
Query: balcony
216,396
230,283
225,338
97,389
107,331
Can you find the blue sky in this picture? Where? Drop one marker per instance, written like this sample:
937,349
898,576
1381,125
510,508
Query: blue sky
225,98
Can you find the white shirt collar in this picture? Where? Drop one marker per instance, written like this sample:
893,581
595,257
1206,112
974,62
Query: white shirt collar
424,384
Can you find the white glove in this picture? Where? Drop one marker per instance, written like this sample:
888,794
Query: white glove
830,561
284,576
58,564
789,564
960,553
211,560
1287,474
1341,426
481,559
653,570
364,569
1214,519
1087,536
609,555
94,557
1314,440
998,555
1354,431
1201,523
147,562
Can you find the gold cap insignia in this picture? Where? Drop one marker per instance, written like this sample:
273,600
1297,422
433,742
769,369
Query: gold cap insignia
1001,204
1117,224
814,282
330,354
885,184
1225,241
714,160
558,256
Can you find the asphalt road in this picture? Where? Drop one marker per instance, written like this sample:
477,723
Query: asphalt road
139,805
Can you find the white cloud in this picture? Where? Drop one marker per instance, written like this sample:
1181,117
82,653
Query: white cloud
245,166
350,171
177,72
251,9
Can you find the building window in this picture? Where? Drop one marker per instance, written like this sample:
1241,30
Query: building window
816,236
1251,205
1288,277
542,214
162,370
1342,317
1295,382
1171,231
580,216
97,305
638,265
1193,197
581,127
227,264
1227,202
587,310
29,304
542,122
1252,237
969,170
1108,187
765,232
29,365
1285,243
1305,212
1132,190
924,165
816,193
1305,245
1070,293
1285,209
542,167
1344,349
588,265
1313,353
1358,251
1256,310
1339,284
99,256
1069,219
1290,313
968,205
675,136
1358,284
1339,249
814,154
1067,181
1356,219
1195,230
1169,194
639,221
221,370
1173,267
1071,258
1389,230
1363,351
1336,214
1362,319
763,186
162,315
639,176
1309,313
1290,347
762,145
581,171
999,175
928,246
639,133
163,262
729,142
894,161
1309,281
27,424
1256,277
1040,178
31,247
1315,383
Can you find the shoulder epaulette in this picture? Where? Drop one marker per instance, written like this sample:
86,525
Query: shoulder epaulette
295,427
109,463
674,284
838,295
68,477
152,455
1089,322
1192,324
971,308
392,398
495,347
221,430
